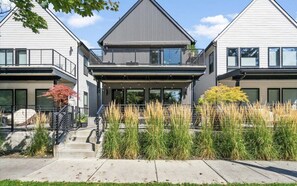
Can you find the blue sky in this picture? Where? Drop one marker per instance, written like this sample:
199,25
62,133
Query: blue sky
203,19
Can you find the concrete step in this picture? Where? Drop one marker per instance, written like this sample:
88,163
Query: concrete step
76,153
80,146
77,139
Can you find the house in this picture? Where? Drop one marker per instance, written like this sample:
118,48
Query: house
32,63
256,51
145,57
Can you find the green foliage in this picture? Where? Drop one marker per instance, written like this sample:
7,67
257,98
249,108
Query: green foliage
181,139
83,118
155,143
32,20
130,140
111,147
223,94
41,143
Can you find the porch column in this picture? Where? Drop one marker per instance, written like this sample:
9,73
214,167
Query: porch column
55,81
99,94
237,84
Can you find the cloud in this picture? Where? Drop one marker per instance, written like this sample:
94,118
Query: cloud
76,21
211,26
87,43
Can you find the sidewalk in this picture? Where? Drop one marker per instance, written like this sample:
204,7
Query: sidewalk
135,171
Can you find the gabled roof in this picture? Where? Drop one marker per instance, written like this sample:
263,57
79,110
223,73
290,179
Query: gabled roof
248,7
159,8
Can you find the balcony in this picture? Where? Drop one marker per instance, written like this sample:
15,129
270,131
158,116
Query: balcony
39,61
153,64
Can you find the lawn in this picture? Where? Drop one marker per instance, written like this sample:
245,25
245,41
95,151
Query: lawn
18,183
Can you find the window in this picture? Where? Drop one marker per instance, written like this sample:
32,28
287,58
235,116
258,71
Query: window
43,103
172,56
86,100
232,57
274,57
289,95
6,100
252,94
155,56
21,57
289,57
211,62
86,63
135,96
20,98
172,96
155,95
118,96
6,57
273,95
249,57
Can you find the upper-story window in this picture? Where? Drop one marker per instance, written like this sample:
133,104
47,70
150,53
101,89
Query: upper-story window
172,56
249,57
155,55
20,57
211,63
6,56
289,56
86,62
232,57
274,57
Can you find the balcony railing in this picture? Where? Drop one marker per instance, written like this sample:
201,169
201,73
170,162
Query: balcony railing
36,57
149,57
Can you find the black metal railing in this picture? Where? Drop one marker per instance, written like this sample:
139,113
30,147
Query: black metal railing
100,124
149,57
37,57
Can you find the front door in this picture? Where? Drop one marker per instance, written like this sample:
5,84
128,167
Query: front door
118,96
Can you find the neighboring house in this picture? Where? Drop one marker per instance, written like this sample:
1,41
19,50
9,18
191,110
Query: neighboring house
144,58
258,52
32,63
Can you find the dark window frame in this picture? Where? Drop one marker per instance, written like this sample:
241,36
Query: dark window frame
36,90
87,101
227,55
13,55
279,97
123,94
282,96
161,93
181,94
12,99
15,97
256,66
259,93
126,94
86,63
211,63
17,62
160,56
280,57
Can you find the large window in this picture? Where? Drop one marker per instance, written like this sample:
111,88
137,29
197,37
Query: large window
6,100
274,57
86,63
86,100
43,103
172,96
20,98
172,56
155,95
211,63
155,56
135,96
289,57
253,94
249,57
6,57
273,95
232,57
118,96
289,95
21,56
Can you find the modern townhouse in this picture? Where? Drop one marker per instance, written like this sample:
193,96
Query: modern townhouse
256,51
32,63
145,57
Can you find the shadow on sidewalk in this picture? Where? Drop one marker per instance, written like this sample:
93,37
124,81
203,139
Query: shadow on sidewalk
270,168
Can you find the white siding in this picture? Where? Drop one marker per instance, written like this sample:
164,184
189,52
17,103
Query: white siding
261,25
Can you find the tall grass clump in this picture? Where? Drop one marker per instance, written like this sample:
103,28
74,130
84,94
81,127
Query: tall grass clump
155,147
232,143
204,140
259,135
285,135
41,142
111,147
130,139
180,137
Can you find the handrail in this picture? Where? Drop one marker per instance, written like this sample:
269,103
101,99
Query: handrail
59,123
99,122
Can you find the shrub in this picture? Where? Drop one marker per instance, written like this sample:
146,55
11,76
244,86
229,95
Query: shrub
41,143
181,139
130,140
155,147
286,131
232,144
204,140
259,136
111,148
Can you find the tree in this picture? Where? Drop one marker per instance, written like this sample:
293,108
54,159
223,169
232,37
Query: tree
60,94
223,94
35,22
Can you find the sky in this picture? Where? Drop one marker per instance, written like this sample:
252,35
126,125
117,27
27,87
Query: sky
203,19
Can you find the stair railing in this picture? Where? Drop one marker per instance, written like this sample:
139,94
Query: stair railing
63,122
100,126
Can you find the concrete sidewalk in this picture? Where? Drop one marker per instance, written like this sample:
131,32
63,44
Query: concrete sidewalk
141,171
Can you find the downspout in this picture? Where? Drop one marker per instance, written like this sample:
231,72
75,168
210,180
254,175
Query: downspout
241,78
77,73
216,63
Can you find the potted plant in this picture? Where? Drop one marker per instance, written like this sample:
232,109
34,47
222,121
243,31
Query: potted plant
83,120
